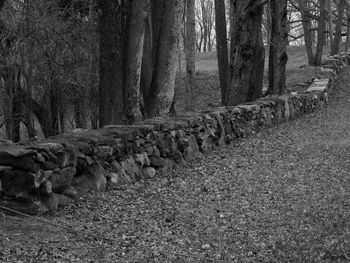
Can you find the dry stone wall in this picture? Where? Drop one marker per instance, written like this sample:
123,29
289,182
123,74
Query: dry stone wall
41,176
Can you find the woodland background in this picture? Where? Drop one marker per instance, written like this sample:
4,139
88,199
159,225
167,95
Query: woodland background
69,64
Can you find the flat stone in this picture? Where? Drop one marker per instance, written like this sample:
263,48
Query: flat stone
5,168
52,146
131,168
93,179
103,151
158,161
15,181
317,88
18,157
65,157
15,151
193,148
63,200
149,172
71,192
62,179
142,159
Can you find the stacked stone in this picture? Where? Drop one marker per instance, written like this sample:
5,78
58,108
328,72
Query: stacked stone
39,177
32,178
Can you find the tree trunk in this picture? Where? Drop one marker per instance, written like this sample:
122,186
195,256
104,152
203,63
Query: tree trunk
27,74
320,33
338,28
330,22
221,47
246,51
134,60
190,49
268,23
307,31
278,47
112,48
205,25
347,29
163,78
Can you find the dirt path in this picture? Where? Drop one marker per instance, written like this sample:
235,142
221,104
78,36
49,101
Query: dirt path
281,196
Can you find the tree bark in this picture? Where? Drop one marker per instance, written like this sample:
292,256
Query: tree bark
307,31
320,33
163,78
221,47
278,47
205,25
246,52
190,49
347,29
330,22
134,60
338,28
112,48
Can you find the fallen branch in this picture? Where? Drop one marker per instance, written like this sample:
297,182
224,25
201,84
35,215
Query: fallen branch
68,228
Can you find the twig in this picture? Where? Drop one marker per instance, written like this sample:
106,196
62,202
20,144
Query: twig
196,257
344,252
69,228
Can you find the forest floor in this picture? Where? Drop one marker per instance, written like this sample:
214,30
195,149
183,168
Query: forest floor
282,195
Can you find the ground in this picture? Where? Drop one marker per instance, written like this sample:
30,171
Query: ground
282,195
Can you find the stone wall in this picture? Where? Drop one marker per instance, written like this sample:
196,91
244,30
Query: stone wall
38,177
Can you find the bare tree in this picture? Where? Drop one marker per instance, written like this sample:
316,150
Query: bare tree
338,28
112,52
134,58
221,47
307,26
278,47
347,28
330,21
190,49
166,32
247,52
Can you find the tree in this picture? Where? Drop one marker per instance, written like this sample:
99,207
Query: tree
134,58
347,29
221,47
190,49
166,31
205,25
320,33
112,42
122,32
330,22
278,47
338,28
247,52
314,60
